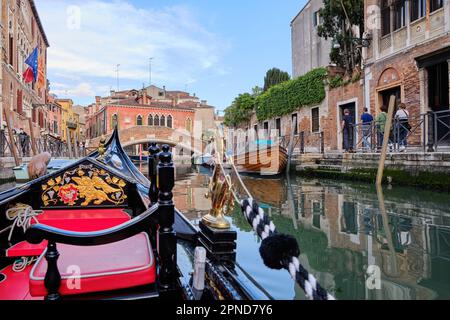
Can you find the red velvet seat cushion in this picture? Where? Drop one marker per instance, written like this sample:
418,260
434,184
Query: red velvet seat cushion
84,220
15,285
125,264
87,220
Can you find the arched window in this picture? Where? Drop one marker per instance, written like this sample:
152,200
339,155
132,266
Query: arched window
169,122
156,121
150,120
139,120
114,121
189,124
162,122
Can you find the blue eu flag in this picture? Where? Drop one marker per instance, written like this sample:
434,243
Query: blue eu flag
33,62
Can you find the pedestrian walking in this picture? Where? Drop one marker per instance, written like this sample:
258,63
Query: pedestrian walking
23,142
367,121
402,126
348,130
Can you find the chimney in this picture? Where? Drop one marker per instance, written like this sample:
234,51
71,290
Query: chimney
174,102
204,102
98,99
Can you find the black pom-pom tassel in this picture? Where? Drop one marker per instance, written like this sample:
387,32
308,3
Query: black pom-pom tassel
278,248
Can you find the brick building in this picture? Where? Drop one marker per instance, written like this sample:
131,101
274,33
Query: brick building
53,117
409,56
21,33
131,108
136,109
318,124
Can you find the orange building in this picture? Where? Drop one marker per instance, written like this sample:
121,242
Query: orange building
136,108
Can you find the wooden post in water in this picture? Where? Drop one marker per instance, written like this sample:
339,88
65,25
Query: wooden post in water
291,145
387,229
33,138
166,219
12,143
387,131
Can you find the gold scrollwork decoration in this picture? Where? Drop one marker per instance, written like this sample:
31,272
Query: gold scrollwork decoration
84,186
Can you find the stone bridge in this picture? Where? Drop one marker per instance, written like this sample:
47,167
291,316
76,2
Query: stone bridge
181,139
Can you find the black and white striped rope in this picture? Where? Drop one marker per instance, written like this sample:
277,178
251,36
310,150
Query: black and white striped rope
281,251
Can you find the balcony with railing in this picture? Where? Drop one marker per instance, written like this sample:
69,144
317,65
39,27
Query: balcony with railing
408,23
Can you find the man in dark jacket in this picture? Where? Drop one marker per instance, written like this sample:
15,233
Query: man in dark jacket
348,130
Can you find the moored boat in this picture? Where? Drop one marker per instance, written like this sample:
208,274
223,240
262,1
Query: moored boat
263,159
21,172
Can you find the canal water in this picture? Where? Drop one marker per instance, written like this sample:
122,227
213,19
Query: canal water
349,235
346,241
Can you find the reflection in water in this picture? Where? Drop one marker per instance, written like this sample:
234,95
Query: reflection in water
342,229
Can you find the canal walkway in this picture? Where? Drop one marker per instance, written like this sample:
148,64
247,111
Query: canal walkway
421,169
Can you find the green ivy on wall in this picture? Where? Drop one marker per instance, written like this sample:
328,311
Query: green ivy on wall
288,96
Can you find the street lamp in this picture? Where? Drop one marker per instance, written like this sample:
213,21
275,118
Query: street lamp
363,42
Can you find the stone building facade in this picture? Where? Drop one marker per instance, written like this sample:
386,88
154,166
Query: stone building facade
21,33
70,121
53,118
409,56
309,51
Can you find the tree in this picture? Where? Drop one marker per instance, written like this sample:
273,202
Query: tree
338,19
240,110
256,91
275,76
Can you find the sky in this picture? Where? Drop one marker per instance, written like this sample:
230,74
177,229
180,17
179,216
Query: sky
215,49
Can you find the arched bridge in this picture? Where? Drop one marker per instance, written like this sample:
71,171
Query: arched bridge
181,139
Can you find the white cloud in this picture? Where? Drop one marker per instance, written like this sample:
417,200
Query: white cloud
82,90
109,33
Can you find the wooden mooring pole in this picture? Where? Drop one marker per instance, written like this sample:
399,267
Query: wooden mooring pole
387,131
12,143
33,138
291,145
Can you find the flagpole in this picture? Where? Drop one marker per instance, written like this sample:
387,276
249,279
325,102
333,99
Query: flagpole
150,72
117,70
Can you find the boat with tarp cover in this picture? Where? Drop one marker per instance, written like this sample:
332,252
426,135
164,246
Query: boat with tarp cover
100,229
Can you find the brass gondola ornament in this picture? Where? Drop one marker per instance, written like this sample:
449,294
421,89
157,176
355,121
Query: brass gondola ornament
222,201
101,148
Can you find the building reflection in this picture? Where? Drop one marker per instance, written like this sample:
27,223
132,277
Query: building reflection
343,232
190,190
